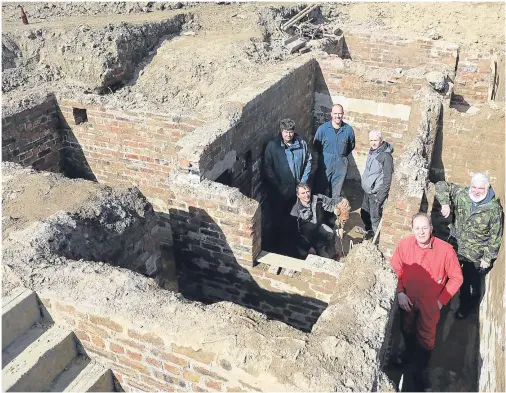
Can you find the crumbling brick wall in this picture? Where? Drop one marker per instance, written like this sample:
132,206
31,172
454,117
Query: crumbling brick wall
411,177
32,137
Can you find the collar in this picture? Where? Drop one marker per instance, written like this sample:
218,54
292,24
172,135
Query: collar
295,142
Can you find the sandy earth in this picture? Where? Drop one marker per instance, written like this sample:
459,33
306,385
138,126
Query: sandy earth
230,45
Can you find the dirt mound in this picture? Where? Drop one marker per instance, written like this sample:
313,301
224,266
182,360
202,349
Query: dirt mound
42,11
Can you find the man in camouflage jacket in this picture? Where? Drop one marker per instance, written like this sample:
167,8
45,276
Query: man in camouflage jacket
477,228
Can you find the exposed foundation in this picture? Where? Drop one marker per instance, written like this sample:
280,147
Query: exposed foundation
168,282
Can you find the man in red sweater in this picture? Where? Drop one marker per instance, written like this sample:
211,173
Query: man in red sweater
429,274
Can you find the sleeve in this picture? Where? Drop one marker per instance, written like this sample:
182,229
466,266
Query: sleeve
351,141
397,264
329,204
308,159
455,278
445,192
496,228
387,163
269,166
317,143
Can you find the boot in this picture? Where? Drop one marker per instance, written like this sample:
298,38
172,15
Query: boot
421,371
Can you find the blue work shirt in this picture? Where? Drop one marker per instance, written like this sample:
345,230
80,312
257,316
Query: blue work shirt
287,165
334,144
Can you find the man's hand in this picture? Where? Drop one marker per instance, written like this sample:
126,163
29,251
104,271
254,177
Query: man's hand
484,264
445,210
404,301
440,304
312,251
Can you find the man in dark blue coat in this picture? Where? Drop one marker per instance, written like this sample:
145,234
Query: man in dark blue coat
287,162
334,141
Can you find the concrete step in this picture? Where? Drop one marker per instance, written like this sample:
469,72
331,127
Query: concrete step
40,362
20,310
22,342
69,374
94,378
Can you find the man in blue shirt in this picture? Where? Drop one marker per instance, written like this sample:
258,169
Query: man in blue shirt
334,141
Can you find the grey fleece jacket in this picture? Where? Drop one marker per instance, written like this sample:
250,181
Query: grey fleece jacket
378,171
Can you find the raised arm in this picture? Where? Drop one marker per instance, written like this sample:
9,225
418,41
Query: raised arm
445,194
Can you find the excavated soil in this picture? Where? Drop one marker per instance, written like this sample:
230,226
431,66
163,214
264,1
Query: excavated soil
230,45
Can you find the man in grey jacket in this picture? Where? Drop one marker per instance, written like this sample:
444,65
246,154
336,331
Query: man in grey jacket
376,181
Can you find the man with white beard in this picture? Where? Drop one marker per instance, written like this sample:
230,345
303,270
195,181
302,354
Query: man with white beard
477,228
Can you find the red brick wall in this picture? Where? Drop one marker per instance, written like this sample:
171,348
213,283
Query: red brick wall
123,147
139,358
339,81
216,233
32,137
389,51
473,78
468,143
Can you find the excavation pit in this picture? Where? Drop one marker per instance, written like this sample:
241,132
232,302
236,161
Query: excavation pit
198,221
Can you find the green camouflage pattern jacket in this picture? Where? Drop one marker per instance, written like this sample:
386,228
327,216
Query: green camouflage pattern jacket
478,229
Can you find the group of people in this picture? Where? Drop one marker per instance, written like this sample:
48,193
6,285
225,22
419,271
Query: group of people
430,271
293,168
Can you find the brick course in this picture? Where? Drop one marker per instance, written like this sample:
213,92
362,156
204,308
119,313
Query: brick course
161,365
32,137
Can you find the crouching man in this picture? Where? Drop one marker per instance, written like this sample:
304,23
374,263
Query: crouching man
313,236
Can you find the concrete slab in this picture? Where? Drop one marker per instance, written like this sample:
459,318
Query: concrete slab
41,362
20,311
94,378
22,342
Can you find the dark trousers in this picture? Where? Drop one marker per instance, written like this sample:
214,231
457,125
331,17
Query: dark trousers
418,329
470,291
281,223
371,212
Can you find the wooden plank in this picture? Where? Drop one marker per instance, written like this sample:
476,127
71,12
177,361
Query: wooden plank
272,259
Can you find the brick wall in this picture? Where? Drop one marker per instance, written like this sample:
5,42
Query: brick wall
368,84
473,77
289,95
367,105
122,147
409,187
31,137
390,51
216,232
138,357
468,143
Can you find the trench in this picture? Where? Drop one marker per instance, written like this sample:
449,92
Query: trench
195,271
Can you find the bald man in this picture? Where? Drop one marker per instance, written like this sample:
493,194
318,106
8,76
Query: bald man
376,180
334,141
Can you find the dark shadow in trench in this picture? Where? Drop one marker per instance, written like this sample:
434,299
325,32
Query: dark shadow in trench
208,272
